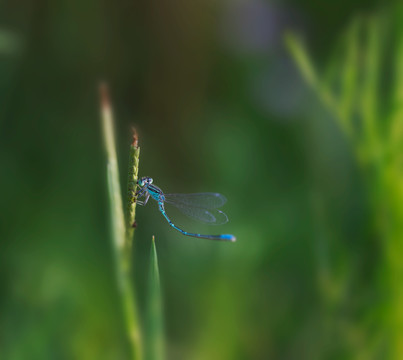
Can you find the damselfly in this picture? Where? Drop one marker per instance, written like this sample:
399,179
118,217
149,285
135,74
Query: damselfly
200,206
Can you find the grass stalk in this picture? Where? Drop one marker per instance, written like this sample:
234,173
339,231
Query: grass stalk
134,158
119,233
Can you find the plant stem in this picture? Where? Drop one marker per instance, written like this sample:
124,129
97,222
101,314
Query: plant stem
119,236
134,158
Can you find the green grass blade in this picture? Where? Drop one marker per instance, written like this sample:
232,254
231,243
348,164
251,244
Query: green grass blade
370,91
305,66
302,60
154,321
118,225
118,231
350,67
396,124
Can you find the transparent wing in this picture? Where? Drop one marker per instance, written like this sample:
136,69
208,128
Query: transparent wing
212,216
199,200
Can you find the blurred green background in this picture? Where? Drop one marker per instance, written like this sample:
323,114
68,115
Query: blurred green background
311,167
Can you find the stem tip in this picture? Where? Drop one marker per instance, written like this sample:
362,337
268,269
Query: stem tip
135,142
104,95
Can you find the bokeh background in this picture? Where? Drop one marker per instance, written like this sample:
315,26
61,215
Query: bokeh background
311,170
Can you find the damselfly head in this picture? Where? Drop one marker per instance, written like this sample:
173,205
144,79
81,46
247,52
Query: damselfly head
146,180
